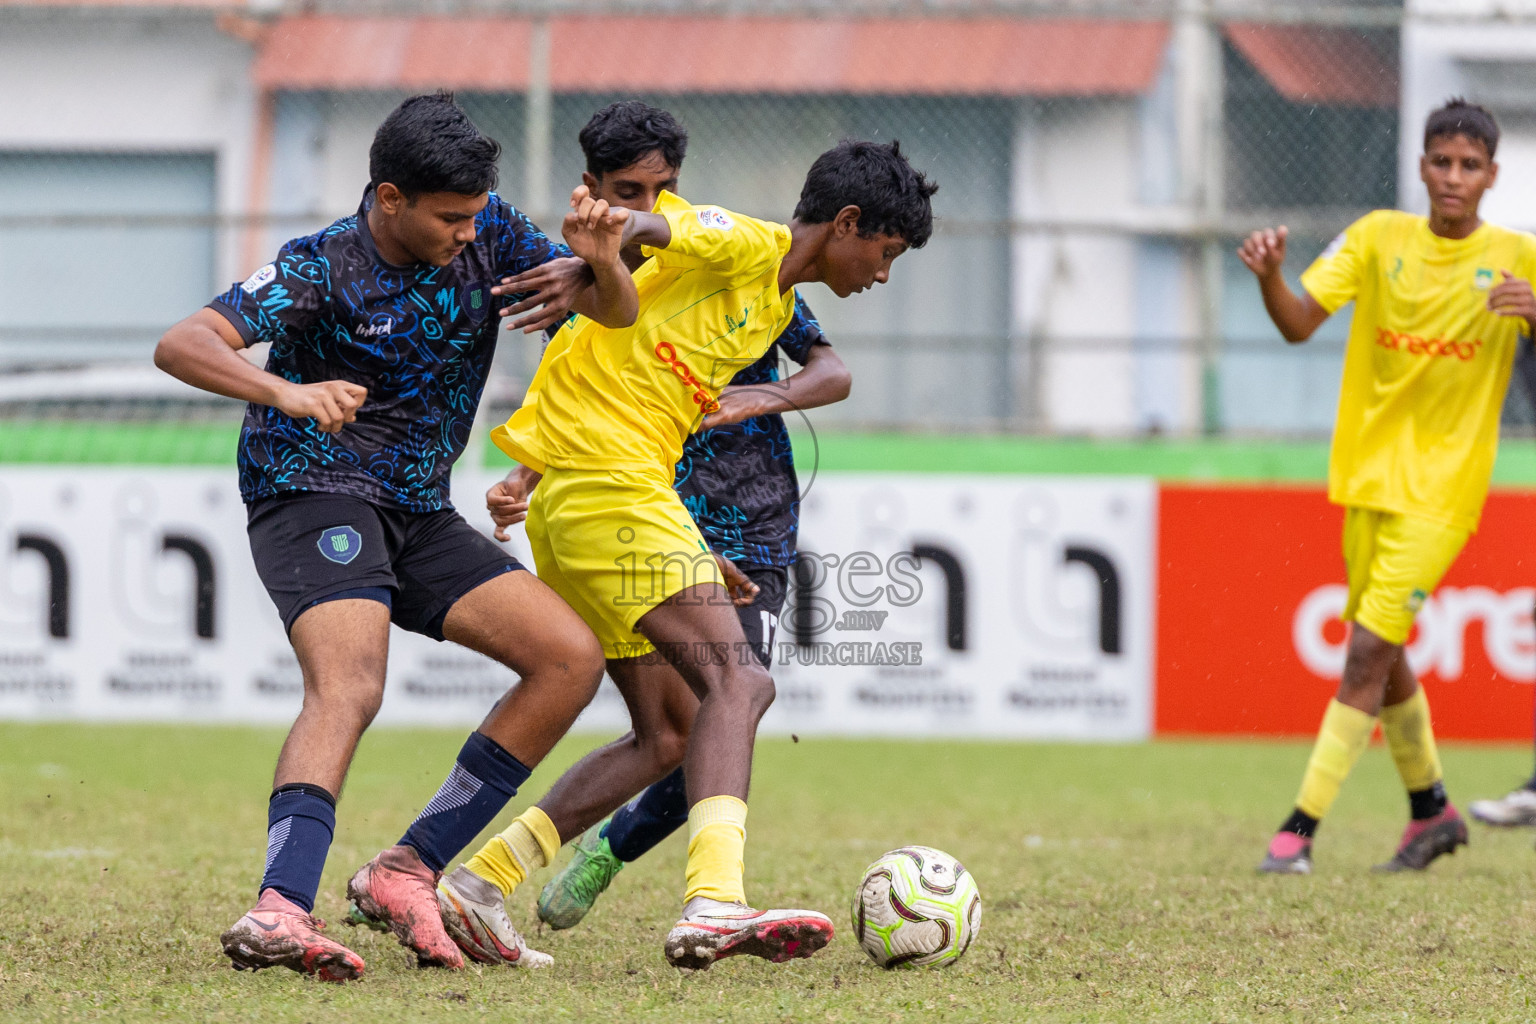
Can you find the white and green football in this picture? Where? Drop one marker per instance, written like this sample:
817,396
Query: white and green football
916,907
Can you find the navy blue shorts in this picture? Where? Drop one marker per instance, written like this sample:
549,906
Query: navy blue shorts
312,546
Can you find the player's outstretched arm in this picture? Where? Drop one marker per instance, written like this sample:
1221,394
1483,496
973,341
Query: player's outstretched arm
204,350
649,229
549,290
1513,297
595,232
1297,316
823,380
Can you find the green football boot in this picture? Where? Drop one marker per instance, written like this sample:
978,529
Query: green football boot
571,893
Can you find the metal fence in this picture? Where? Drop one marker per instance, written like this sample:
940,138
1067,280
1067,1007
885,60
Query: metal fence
1082,277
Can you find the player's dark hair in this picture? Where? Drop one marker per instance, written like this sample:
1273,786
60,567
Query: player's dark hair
624,132
893,198
428,144
1458,117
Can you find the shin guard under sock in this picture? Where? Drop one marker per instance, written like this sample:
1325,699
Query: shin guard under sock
1341,739
717,837
1411,739
649,818
301,819
483,779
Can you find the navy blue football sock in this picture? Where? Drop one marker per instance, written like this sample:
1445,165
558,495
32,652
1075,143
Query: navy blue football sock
482,781
300,822
649,818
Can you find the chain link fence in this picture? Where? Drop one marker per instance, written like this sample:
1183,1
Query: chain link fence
1082,278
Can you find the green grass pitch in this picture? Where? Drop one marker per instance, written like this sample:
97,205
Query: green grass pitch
1117,880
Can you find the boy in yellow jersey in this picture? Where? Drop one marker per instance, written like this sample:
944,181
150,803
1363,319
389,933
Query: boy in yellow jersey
597,440
1440,305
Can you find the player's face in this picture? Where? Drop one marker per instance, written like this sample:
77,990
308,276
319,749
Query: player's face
636,187
436,226
1457,171
856,262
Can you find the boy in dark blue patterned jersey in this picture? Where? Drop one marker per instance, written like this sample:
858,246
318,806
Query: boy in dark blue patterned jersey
381,337
737,479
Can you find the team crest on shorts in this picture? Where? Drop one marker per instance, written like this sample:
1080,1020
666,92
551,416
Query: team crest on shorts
340,544
1416,601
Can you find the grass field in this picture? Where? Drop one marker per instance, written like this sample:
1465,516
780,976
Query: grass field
1117,882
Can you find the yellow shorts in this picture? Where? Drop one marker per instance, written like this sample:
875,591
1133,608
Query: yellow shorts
614,545
1394,563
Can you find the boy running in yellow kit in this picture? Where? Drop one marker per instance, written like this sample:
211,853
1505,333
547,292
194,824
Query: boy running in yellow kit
597,440
1440,305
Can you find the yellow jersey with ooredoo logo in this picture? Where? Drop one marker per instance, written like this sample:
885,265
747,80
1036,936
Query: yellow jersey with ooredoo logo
627,398
1426,365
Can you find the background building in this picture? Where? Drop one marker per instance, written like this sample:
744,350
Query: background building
1098,163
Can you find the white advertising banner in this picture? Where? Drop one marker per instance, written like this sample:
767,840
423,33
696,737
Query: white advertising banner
971,606
924,605
131,594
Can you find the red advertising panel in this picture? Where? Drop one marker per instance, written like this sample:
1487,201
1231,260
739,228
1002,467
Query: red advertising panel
1250,586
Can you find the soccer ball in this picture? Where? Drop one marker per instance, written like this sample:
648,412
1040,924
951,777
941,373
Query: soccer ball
916,906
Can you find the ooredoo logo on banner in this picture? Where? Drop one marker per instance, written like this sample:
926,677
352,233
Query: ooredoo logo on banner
1250,588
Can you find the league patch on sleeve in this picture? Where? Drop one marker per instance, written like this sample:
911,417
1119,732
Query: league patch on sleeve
714,217
259,280
1333,247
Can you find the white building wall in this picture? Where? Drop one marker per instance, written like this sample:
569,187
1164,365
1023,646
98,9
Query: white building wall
1489,63
134,82
1102,312
319,159
1073,299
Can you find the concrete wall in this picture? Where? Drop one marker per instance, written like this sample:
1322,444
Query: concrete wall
1492,64
101,82
951,341
1102,316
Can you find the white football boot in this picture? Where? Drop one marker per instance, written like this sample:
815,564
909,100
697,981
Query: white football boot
1516,808
711,930
475,915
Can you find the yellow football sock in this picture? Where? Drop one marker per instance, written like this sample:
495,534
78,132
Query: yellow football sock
717,834
1412,742
529,843
1341,739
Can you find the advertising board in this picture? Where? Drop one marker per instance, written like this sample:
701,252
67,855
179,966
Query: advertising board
923,605
1250,586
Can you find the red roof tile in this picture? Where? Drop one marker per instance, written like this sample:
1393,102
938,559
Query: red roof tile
1311,64
935,56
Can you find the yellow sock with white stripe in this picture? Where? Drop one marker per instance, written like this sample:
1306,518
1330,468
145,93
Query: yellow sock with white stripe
1412,742
717,836
1341,739
507,859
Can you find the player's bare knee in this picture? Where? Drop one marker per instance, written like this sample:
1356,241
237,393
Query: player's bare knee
666,747
757,688
568,667
342,718
348,704
582,680
573,657
584,655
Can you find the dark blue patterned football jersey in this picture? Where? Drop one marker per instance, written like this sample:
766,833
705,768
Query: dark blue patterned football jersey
738,481
419,338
